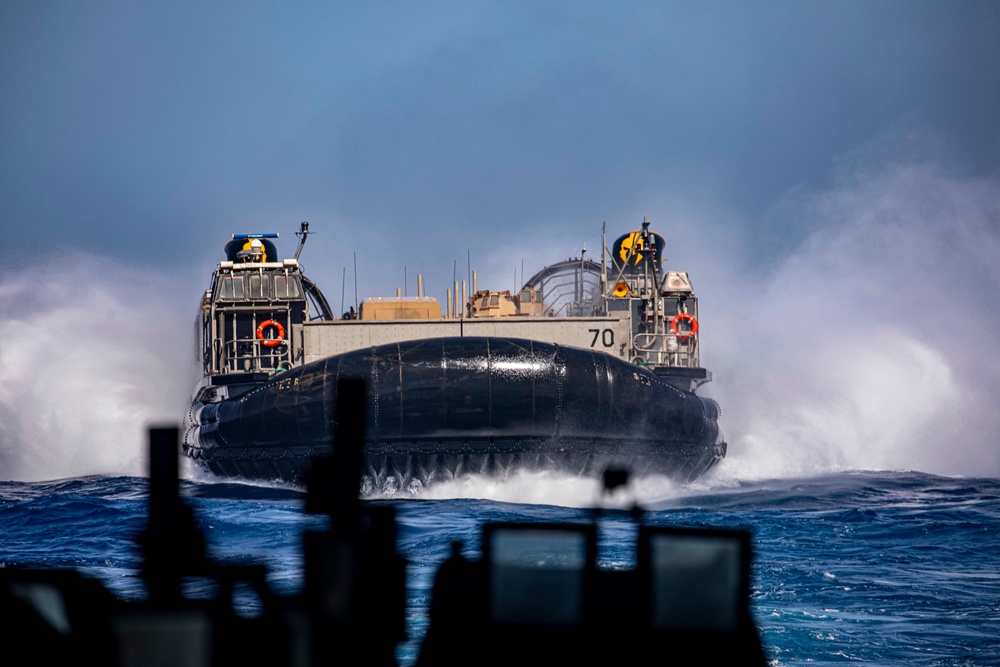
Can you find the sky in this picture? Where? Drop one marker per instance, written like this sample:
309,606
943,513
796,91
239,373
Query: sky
828,171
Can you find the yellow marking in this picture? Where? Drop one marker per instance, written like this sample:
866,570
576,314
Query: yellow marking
630,248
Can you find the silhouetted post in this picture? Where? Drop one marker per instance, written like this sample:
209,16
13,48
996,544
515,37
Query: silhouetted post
172,544
333,485
355,582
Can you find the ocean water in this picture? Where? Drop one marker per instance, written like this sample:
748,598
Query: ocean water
876,568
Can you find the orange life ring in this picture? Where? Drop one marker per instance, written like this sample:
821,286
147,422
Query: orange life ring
271,342
684,335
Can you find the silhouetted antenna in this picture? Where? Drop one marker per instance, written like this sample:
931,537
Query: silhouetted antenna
613,477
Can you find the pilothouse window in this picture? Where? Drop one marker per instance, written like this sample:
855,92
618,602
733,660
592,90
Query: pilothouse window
286,287
258,287
231,288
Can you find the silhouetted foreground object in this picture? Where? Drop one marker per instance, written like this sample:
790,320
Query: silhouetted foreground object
55,617
536,597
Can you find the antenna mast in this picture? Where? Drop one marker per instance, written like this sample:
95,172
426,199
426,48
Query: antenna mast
302,234
604,264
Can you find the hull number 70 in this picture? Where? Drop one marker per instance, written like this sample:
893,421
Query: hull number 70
607,337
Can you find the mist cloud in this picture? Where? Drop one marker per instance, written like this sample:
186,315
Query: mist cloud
100,353
875,344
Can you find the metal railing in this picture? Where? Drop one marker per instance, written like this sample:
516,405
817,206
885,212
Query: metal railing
665,349
250,354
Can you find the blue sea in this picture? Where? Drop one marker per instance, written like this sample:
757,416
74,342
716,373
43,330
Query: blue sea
874,568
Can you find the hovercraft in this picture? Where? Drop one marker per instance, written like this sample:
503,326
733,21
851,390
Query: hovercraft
588,366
